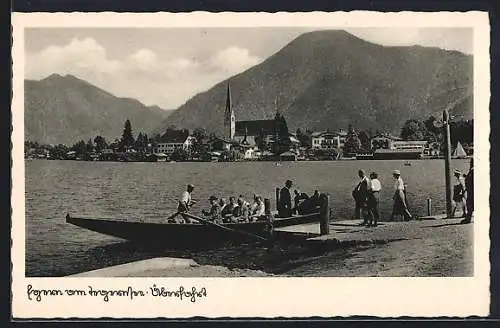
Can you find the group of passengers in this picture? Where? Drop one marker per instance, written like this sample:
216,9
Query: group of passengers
234,210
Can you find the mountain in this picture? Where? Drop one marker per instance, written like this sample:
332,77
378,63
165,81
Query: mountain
65,109
330,79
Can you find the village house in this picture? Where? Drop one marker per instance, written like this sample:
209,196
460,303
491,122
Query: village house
174,143
383,141
328,140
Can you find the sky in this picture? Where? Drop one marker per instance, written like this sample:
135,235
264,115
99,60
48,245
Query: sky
167,66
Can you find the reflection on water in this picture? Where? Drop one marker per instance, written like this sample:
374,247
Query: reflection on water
149,191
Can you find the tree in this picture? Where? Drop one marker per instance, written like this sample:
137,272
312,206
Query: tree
281,139
200,135
414,130
364,138
352,143
79,148
141,143
304,138
100,143
89,147
127,139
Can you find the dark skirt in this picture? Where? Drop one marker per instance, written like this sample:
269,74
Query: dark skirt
399,204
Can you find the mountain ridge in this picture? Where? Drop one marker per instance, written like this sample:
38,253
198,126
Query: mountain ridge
329,79
65,109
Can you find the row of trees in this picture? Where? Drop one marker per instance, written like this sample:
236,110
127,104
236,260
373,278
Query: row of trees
431,131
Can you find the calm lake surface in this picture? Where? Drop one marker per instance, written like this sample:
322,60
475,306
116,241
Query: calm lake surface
149,192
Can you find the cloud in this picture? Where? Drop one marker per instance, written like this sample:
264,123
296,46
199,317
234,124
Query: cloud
78,55
233,59
141,74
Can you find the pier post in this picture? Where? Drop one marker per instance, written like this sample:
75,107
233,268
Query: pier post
447,161
277,197
324,211
269,216
429,210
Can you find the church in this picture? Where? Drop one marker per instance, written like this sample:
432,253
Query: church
248,134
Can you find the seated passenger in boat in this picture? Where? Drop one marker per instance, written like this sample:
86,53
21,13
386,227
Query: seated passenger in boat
241,211
309,205
223,206
298,199
232,205
229,211
214,214
258,208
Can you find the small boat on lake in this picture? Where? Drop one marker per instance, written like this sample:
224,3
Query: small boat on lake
186,234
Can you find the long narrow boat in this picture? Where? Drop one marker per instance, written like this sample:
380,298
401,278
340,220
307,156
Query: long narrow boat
192,234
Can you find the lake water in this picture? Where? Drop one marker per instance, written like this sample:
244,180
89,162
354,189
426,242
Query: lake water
149,191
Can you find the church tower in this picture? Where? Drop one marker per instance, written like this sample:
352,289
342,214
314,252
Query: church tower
229,118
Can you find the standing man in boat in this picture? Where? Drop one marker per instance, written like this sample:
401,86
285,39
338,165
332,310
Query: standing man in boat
469,188
285,201
186,202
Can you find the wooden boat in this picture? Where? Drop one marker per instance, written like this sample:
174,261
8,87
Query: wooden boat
187,234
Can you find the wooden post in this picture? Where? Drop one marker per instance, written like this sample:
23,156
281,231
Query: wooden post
277,197
324,211
269,216
447,162
429,209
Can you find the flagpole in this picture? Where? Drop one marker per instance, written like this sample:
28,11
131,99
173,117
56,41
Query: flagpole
447,162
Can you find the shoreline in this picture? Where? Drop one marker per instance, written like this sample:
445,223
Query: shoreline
439,247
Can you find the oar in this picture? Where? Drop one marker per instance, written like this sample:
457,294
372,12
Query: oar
172,216
222,227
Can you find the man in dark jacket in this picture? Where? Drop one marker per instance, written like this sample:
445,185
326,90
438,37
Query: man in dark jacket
360,195
285,201
469,189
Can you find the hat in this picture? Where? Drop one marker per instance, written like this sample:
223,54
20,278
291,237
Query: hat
397,172
212,198
190,186
457,171
288,182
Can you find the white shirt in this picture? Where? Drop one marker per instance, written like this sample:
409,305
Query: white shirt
259,209
375,185
399,184
186,198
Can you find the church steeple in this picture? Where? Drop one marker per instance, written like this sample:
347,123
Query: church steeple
229,118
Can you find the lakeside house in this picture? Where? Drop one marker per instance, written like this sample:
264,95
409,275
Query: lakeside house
174,143
328,140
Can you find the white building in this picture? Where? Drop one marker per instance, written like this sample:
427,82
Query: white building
327,140
169,147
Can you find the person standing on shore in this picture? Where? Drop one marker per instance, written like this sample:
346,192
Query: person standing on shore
360,195
459,194
374,199
285,200
469,188
400,207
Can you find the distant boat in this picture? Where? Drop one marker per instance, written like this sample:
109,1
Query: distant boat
459,151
